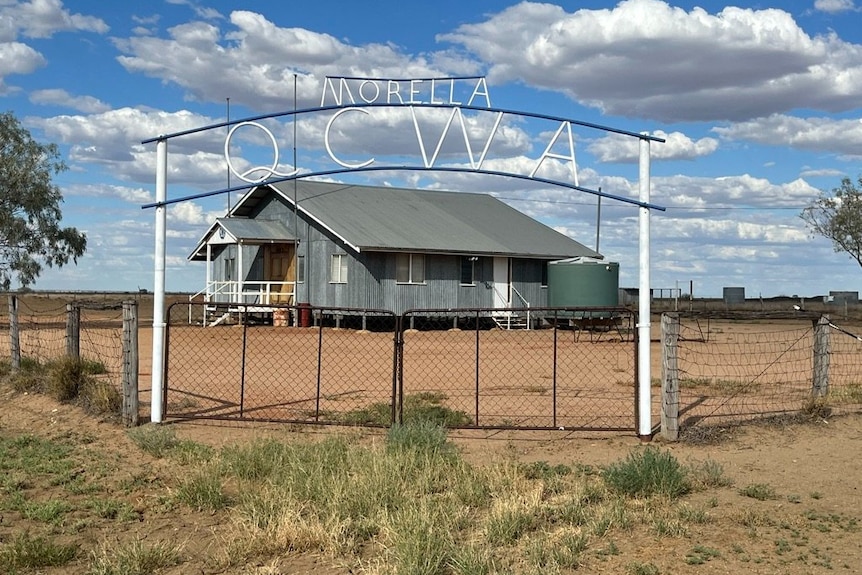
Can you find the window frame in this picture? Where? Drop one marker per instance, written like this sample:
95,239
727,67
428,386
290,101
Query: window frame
471,260
411,268
341,276
300,268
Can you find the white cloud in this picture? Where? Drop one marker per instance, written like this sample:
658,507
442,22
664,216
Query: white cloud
35,19
191,214
815,134
645,58
199,10
112,140
43,18
677,146
58,97
17,58
834,6
254,62
823,173
131,195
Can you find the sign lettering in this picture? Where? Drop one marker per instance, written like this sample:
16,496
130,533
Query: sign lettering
361,95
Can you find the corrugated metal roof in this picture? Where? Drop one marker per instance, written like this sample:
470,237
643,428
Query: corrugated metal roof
248,231
387,219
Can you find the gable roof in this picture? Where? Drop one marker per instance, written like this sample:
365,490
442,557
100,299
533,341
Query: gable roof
371,218
244,231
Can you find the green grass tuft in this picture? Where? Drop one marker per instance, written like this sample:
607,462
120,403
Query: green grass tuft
30,553
162,441
422,436
425,406
646,473
203,492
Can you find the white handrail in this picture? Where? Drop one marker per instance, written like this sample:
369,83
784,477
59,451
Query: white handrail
255,292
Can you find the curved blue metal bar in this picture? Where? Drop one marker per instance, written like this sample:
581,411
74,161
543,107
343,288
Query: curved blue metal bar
418,105
408,168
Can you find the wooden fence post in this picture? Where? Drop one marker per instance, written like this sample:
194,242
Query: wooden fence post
820,379
130,363
14,334
670,376
73,330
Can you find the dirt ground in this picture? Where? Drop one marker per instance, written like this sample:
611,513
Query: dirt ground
811,526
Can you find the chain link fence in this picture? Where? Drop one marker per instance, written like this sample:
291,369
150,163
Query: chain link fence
576,372
358,366
284,363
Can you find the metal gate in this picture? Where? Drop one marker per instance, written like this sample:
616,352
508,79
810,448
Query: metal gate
532,368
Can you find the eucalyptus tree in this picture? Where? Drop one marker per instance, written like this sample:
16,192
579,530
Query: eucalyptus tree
31,231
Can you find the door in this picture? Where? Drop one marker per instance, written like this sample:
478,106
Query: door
279,270
501,282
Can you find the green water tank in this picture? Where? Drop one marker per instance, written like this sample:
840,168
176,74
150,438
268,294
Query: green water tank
583,282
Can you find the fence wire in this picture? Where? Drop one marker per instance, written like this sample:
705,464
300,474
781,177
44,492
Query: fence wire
731,370
43,332
42,328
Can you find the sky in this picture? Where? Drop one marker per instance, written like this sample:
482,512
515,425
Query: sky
759,104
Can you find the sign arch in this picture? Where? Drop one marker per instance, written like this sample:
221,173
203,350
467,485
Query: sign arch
377,93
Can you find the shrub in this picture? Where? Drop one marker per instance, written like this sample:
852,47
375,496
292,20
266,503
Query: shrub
30,377
100,397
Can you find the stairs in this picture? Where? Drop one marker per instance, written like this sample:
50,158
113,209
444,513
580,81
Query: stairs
509,320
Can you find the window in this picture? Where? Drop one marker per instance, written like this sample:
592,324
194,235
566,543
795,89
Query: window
338,270
229,266
300,269
544,274
468,270
410,268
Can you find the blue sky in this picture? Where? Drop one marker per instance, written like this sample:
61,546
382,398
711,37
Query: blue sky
760,104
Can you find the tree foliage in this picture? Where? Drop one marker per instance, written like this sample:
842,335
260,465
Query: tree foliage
838,217
30,216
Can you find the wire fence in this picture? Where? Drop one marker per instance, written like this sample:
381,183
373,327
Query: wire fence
102,334
546,368
720,370
340,365
43,325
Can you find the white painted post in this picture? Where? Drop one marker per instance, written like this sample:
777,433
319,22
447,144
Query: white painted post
644,366
159,287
